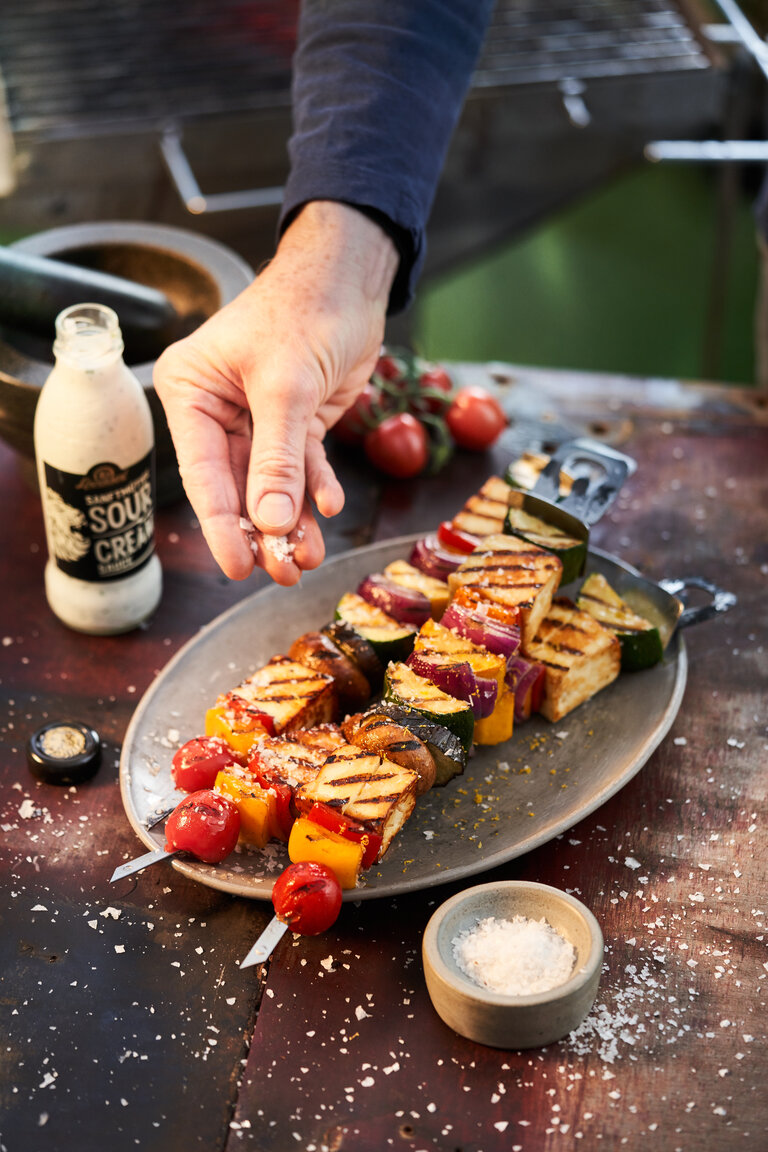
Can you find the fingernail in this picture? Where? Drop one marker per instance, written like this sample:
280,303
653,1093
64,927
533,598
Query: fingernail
275,510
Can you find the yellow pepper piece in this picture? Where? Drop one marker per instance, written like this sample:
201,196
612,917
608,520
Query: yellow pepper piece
308,841
216,724
255,805
497,727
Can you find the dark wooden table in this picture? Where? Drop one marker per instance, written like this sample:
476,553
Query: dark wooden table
126,1021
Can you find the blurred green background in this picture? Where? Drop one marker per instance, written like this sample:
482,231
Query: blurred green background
620,282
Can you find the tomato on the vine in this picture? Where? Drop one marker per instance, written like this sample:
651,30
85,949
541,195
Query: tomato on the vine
204,824
390,368
475,419
307,897
359,418
435,380
196,764
399,446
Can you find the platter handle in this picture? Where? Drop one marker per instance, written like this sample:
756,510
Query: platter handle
721,601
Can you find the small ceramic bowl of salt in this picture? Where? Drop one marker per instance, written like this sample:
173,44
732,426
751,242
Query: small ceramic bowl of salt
512,964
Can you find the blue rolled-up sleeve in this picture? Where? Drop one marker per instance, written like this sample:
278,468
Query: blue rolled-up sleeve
378,86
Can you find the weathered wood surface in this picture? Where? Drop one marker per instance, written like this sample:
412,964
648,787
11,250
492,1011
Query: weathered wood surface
126,1021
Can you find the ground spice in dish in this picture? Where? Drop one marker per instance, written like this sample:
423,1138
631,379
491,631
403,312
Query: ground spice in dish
517,957
63,742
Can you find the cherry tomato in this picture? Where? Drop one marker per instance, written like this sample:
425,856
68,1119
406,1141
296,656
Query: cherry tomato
197,763
307,897
436,380
475,419
390,368
399,446
359,418
204,824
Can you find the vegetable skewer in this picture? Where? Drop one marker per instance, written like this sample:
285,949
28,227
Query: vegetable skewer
307,899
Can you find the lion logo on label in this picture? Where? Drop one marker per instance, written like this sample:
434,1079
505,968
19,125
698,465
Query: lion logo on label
65,523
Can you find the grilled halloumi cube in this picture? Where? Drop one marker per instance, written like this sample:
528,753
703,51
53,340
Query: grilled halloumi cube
484,513
365,787
514,572
293,695
296,758
580,657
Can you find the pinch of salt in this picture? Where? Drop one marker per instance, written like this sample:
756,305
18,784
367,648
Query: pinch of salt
279,546
517,957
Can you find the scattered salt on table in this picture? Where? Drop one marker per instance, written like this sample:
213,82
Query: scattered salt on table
517,957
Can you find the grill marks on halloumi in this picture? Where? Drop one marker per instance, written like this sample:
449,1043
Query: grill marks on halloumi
293,695
365,787
580,657
483,514
514,572
296,759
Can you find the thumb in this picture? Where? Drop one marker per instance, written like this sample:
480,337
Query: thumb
276,478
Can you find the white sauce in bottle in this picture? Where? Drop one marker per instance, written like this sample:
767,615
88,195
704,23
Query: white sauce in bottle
94,443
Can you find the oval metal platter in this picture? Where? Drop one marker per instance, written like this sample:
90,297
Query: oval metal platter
512,797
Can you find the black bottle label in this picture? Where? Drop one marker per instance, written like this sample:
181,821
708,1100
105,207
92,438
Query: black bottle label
101,525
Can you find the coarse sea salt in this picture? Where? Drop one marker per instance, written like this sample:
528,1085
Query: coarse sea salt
517,957
279,546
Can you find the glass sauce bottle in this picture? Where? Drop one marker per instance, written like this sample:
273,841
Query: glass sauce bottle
94,444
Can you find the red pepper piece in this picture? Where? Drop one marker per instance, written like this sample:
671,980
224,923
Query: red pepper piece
453,538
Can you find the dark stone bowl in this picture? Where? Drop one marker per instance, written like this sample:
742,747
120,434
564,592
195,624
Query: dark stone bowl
198,276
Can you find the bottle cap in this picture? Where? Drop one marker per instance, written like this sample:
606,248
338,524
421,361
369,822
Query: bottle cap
64,752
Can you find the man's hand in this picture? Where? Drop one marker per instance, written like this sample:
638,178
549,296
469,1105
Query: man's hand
251,393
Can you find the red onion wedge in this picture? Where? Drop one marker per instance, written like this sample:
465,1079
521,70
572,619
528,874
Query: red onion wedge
526,679
457,680
406,605
433,559
501,639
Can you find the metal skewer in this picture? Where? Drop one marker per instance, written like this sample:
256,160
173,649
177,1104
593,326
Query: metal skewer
266,943
140,862
148,858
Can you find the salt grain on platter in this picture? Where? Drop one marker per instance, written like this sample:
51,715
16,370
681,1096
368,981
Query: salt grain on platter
517,957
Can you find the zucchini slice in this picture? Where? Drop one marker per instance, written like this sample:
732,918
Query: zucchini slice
389,640
641,645
446,749
572,551
405,687
358,650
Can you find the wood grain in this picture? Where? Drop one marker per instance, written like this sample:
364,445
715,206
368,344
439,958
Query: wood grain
125,1014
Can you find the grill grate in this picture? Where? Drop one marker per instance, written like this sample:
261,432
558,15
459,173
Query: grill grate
88,65
530,42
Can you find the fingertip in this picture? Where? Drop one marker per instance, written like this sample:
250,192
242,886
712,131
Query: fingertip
330,499
229,546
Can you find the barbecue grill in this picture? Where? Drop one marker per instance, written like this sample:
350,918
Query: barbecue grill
564,95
